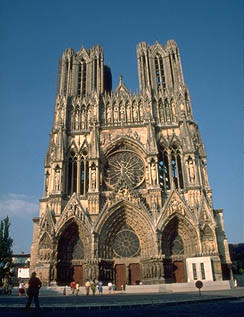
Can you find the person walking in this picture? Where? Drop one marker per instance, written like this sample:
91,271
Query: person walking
6,284
100,287
77,288
93,287
87,286
72,286
33,291
113,288
21,288
110,287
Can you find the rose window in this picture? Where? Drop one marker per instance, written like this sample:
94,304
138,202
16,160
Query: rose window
124,163
126,244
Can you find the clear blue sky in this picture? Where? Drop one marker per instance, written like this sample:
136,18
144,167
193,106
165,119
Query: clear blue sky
35,33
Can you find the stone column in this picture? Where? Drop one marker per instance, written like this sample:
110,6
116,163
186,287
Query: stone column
78,175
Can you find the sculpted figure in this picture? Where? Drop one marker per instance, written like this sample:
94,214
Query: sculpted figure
122,113
191,171
135,113
93,179
154,173
56,181
109,115
128,113
116,114
76,120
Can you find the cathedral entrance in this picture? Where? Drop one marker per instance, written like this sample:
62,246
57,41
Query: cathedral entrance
70,248
120,276
78,274
179,271
134,274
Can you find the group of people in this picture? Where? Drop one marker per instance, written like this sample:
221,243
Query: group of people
92,287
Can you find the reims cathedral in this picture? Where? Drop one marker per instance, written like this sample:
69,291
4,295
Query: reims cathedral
126,191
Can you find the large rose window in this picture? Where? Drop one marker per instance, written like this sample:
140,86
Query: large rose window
124,163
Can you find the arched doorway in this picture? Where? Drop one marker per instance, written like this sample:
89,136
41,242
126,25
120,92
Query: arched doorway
70,251
178,242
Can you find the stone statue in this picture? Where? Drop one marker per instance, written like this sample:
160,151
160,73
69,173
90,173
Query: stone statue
109,115
93,179
116,114
56,180
77,120
122,113
191,171
135,113
128,113
154,173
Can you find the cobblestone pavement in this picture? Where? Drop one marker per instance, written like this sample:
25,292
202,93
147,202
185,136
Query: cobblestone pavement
225,303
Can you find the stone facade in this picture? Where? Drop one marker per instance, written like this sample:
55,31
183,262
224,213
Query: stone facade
126,192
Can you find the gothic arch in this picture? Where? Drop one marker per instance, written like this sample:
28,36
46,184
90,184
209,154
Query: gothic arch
75,226
208,240
179,237
73,247
124,142
45,247
117,217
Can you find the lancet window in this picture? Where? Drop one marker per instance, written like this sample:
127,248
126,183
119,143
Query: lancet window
170,169
66,70
160,75
78,174
82,78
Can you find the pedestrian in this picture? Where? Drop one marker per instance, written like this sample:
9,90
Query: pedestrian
77,288
113,288
124,288
87,286
109,287
21,288
26,285
93,287
72,286
5,282
100,287
33,291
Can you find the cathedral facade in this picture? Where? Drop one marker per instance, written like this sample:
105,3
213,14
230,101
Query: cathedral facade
126,191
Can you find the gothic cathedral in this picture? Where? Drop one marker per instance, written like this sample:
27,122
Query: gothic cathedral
126,192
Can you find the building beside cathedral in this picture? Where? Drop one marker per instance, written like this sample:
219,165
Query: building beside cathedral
126,195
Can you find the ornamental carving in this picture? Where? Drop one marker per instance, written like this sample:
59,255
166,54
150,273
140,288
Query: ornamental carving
176,206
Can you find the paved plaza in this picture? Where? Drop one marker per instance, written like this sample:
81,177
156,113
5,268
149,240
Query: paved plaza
226,303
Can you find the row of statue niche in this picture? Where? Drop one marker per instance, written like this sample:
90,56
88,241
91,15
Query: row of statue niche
80,119
152,270
128,113
167,112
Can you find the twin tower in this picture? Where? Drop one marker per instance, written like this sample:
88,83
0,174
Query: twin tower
126,192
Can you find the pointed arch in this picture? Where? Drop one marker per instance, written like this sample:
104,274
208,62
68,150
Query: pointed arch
208,240
115,218
45,247
179,237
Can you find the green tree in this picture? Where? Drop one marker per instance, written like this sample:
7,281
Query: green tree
6,243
